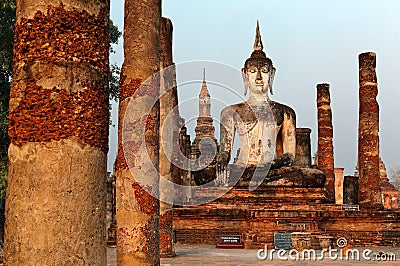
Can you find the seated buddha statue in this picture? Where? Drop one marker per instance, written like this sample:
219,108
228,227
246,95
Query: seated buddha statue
267,133
266,129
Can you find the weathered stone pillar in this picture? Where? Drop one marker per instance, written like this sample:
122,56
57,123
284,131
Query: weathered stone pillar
138,211
350,190
166,140
339,178
303,147
184,174
368,130
175,170
55,210
325,135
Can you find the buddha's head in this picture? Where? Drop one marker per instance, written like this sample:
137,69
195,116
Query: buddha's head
258,71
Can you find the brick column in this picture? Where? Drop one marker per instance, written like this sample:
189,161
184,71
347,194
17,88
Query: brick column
55,211
369,194
303,147
166,140
175,170
138,211
325,134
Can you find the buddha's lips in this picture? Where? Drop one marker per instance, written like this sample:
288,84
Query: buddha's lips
261,86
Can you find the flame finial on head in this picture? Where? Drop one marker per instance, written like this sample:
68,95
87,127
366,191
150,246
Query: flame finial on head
258,46
258,55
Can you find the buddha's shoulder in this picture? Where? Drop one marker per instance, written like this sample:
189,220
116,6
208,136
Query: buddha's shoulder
282,108
236,107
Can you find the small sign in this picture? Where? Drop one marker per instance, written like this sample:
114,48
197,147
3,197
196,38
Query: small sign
283,241
229,239
230,242
350,207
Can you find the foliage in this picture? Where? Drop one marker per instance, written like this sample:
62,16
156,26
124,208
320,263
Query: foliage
3,180
7,22
115,71
115,34
8,3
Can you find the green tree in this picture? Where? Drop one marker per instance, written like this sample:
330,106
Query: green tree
7,23
115,71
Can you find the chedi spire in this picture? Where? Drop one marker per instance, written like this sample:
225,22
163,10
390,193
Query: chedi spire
204,91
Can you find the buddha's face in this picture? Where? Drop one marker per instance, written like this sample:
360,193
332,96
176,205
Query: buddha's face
258,77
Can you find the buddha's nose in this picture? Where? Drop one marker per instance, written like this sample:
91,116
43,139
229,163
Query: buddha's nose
258,77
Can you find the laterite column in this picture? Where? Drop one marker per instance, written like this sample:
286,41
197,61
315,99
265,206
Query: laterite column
369,193
55,207
303,147
167,128
325,161
138,137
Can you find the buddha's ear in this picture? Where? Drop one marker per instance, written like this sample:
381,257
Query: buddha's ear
245,80
271,80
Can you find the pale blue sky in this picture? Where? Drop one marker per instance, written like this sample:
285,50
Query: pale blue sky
309,42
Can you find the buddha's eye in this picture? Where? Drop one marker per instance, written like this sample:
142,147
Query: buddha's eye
264,69
252,70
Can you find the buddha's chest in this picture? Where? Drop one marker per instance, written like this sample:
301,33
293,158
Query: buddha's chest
257,121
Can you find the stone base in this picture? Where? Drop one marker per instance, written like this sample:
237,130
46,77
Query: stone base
257,227
256,216
289,199
288,176
271,197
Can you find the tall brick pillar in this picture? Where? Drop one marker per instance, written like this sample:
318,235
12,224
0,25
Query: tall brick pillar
325,134
55,207
303,147
175,170
138,211
167,128
368,129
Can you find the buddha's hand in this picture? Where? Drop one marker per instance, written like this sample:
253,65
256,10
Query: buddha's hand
283,160
224,158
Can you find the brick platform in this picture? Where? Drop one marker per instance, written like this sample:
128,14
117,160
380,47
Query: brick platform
258,215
